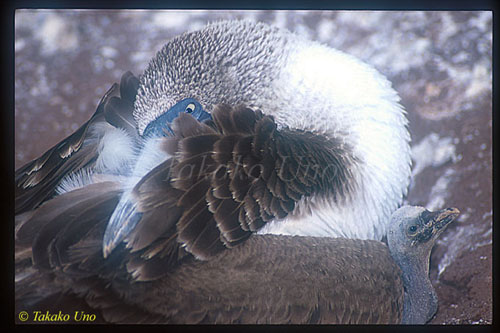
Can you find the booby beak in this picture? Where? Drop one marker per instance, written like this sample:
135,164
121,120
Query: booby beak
444,217
162,126
435,223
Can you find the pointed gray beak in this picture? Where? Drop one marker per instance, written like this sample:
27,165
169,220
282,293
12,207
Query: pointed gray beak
435,223
444,217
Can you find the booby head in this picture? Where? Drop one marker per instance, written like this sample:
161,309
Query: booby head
306,87
161,126
412,234
414,230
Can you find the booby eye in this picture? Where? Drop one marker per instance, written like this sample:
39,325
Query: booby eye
190,108
412,230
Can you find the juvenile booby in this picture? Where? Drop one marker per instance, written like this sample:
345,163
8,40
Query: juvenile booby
235,129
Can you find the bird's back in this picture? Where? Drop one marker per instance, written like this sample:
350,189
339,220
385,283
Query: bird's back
280,280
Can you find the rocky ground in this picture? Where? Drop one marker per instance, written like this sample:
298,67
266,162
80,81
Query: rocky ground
439,62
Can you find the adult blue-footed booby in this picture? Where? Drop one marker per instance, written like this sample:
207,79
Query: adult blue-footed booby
235,129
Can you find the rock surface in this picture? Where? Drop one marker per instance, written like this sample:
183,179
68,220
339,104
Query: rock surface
439,62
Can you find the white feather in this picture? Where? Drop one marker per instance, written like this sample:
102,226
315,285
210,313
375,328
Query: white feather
150,156
75,180
335,94
116,152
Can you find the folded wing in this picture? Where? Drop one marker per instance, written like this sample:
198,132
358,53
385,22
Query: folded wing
37,180
226,179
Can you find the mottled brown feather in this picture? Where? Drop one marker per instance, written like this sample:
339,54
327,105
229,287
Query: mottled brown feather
226,179
37,180
65,222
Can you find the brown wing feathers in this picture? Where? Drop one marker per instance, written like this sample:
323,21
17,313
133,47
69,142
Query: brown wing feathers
118,110
228,177
37,180
242,173
222,184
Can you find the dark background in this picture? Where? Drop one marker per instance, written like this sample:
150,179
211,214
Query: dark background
439,62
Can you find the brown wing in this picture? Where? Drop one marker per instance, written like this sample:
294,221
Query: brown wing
37,180
228,178
59,262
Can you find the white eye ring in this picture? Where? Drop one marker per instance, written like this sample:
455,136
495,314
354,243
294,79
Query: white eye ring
190,108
